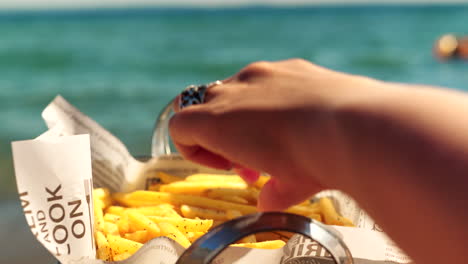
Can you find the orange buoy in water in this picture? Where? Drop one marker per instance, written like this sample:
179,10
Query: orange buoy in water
450,47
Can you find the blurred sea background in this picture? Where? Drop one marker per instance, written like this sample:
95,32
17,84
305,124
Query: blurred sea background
121,66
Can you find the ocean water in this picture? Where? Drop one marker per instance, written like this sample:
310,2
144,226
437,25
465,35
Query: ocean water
122,66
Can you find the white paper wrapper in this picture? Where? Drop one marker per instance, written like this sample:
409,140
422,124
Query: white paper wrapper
56,173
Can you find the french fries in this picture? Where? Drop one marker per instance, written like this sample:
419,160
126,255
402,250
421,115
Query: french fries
186,209
272,244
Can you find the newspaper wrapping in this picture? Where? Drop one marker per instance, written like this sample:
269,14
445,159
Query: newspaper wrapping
57,171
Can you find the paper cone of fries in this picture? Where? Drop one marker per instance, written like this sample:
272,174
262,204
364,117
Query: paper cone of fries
87,200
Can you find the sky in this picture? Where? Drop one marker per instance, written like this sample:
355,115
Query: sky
34,4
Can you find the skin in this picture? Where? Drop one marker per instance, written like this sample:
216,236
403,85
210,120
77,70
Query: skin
400,150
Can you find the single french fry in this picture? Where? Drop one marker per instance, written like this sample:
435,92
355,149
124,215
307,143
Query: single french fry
122,256
305,203
234,199
187,187
193,236
330,215
347,222
185,225
146,198
248,239
154,187
121,245
158,210
171,231
261,181
140,236
193,212
98,214
123,225
317,217
267,236
111,229
304,210
168,178
249,194
201,177
231,214
111,218
328,210
103,249
103,194
217,223
115,210
274,244
138,221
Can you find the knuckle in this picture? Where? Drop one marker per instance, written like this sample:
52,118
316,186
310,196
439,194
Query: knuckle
254,70
299,61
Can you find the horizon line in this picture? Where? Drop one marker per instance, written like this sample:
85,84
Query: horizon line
319,3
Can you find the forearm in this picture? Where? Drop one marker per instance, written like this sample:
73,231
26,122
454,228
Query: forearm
406,152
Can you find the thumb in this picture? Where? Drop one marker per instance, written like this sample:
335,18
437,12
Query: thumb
276,196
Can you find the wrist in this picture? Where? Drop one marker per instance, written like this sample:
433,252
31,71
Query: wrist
333,146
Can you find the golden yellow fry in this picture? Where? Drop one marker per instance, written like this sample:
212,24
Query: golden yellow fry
185,225
138,221
103,249
111,229
317,217
193,236
103,194
304,210
213,177
123,225
261,181
140,236
171,231
330,215
154,187
328,210
196,188
98,214
305,203
234,199
165,210
248,239
121,245
347,222
194,212
168,178
145,198
111,218
122,256
267,236
115,210
249,194
274,244
231,214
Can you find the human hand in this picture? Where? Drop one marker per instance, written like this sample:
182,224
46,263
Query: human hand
276,118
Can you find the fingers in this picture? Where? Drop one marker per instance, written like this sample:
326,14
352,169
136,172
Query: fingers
275,196
204,157
186,128
249,175
212,91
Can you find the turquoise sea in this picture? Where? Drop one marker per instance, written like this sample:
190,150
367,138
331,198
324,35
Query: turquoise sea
122,66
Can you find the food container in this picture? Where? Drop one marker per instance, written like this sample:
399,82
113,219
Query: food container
57,171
